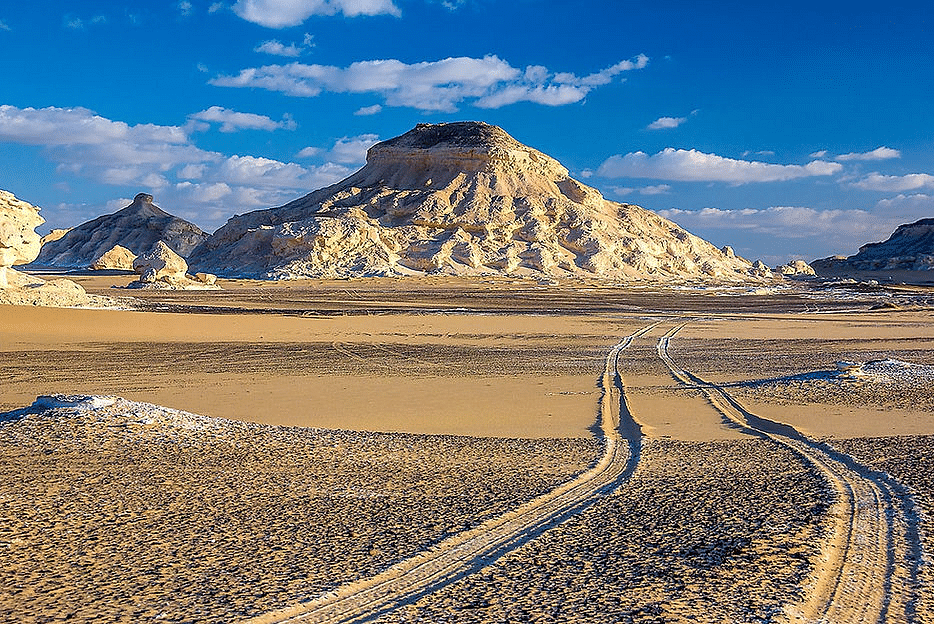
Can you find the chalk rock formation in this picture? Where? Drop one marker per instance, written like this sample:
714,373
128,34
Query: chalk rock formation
160,267
19,244
910,248
794,268
116,258
460,198
136,227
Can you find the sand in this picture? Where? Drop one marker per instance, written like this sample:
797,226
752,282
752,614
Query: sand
497,386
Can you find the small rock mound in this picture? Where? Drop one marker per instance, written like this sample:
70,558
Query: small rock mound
796,268
162,268
137,228
117,258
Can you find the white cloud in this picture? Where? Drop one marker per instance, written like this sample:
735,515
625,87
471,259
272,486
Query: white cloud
352,150
839,227
308,152
285,13
694,166
76,23
880,153
910,182
191,172
818,154
215,7
4,26
231,121
369,110
277,48
663,123
907,208
657,189
488,82
185,8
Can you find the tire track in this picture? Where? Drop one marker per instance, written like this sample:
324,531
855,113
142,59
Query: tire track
871,558
471,550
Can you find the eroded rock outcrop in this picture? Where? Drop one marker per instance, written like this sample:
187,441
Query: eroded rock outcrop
136,228
795,268
460,198
910,248
117,258
160,267
19,244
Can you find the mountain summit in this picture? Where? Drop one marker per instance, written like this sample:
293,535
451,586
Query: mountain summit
137,228
460,198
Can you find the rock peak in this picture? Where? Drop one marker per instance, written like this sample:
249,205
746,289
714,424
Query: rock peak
143,198
467,135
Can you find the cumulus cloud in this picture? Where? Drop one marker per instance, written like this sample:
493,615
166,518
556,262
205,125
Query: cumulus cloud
277,48
201,185
369,110
663,123
231,121
880,153
839,227
345,150
894,183
695,166
285,13
487,82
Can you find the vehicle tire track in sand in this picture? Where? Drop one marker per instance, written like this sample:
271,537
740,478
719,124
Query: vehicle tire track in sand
471,550
870,560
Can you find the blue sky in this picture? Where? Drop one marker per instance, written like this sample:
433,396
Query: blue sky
793,130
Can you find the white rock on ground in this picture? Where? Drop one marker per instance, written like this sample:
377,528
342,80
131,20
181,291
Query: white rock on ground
467,199
795,268
162,268
116,258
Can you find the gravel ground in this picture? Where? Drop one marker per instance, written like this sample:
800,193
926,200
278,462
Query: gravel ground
910,461
133,513
704,532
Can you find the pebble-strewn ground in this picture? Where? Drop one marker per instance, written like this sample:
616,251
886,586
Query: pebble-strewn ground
131,514
703,532
910,460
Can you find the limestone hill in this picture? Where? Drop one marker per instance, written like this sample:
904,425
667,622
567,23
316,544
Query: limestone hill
460,198
137,228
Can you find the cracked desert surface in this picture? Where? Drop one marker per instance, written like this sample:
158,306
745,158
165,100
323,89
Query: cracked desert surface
452,450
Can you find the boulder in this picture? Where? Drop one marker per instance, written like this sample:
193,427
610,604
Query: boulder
116,258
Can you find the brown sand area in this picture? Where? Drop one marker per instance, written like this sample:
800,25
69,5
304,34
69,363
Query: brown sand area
714,525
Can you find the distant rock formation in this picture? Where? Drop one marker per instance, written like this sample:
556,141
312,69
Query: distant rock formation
136,227
910,248
162,268
460,198
54,235
19,244
796,268
116,258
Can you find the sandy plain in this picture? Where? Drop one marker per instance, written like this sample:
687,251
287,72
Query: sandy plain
486,394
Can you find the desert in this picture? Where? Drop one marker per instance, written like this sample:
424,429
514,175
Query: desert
546,328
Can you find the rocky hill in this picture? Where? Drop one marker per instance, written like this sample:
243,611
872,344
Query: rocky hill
909,248
460,198
137,228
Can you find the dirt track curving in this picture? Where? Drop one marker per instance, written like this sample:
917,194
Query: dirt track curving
871,557
471,550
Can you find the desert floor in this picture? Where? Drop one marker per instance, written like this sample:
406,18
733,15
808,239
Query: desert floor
354,424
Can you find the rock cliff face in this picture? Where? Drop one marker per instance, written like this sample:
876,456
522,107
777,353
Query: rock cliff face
19,244
460,198
137,228
910,248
